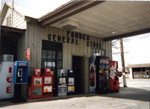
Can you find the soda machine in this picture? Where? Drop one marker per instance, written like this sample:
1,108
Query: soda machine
99,74
114,81
103,75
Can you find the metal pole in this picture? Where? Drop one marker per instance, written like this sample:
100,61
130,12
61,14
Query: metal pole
123,63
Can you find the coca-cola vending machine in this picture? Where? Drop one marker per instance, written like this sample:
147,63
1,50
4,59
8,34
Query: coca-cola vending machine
114,81
102,74
99,74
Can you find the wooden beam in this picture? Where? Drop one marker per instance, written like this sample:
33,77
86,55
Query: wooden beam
11,29
147,30
31,19
10,34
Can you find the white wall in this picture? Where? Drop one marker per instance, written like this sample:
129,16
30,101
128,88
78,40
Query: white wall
18,20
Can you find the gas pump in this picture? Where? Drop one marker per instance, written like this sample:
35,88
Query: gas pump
20,76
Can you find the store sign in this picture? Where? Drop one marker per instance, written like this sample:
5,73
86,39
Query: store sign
6,85
27,54
74,39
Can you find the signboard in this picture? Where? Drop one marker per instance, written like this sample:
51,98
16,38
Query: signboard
47,89
37,91
71,89
62,90
6,76
37,81
70,81
27,54
73,38
62,81
48,80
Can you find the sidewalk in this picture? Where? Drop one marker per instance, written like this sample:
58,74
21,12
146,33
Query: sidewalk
135,96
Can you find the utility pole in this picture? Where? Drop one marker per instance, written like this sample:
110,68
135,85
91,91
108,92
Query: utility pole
12,13
123,63
0,45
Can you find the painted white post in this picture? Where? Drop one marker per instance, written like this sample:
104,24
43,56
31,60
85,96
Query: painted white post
131,73
124,80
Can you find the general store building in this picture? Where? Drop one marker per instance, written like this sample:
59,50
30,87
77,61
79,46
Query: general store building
66,37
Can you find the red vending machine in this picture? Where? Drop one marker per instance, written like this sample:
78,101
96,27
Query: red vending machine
35,86
114,81
47,83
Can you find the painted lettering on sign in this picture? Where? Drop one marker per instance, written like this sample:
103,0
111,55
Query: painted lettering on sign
73,38
10,69
27,54
9,79
8,89
22,64
104,61
113,71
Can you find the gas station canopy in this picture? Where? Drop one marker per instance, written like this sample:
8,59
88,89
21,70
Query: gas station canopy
106,19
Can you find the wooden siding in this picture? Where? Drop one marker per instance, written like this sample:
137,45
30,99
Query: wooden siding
18,20
35,34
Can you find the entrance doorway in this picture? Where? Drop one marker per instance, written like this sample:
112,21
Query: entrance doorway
78,68
9,46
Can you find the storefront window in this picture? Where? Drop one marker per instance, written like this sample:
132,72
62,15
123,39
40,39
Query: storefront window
51,55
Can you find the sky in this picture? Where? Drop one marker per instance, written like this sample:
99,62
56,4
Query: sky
35,8
137,49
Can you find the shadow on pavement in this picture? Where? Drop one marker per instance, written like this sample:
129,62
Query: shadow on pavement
130,93
124,93
9,103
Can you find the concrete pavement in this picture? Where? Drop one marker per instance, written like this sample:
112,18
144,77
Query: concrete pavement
135,96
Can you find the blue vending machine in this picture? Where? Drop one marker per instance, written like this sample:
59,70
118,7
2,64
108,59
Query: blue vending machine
71,83
20,78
